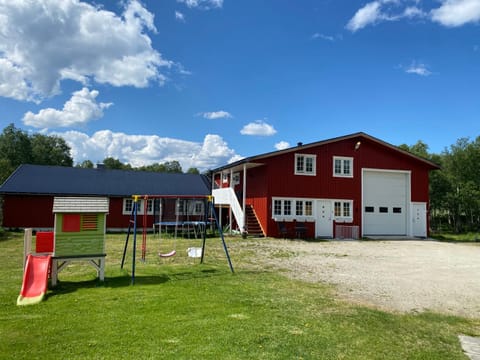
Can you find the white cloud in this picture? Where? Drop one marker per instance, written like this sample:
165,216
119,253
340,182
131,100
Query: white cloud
367,15
71,39
326,37
217,115
282,145
259,128
139,150
179,16
418,69
202,4
413,11
454,13
451,13
79,110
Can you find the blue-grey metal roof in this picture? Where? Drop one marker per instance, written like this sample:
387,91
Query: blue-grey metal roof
60,180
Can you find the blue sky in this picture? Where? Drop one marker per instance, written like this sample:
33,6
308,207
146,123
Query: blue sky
206,82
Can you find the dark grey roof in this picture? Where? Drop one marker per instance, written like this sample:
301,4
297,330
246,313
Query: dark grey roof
259,158
60,180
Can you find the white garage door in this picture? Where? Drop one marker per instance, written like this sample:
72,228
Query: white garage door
385,203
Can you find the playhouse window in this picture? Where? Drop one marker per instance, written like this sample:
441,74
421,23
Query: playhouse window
89,222
305,164
342,166
71,223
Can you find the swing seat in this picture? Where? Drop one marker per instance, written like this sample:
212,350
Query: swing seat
170,254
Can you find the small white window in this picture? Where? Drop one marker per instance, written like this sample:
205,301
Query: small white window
308,208
342,210
305,164
225,178
342,166
236,178
277,207
189,207
290,209
128,206
299,208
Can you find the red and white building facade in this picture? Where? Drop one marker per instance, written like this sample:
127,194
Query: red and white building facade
350,186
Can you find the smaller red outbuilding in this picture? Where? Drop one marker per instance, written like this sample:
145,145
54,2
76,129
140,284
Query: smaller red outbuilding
28,193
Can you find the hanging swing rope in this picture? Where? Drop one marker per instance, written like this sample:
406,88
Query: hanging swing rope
144,232
174,251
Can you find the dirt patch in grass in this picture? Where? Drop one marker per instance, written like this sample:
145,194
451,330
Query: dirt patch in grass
401,276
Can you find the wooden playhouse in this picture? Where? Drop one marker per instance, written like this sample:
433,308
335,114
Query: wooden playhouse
79,232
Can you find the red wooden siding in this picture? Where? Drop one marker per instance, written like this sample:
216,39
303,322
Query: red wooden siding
21,211
36,212
276,177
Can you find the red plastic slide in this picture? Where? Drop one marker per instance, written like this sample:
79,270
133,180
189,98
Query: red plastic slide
35,279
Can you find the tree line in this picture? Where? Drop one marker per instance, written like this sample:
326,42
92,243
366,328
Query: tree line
18,147
454,190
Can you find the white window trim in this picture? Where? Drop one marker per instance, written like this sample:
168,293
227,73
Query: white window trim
304,172
236,178
192,207
293,209
140,207
343,218
342,174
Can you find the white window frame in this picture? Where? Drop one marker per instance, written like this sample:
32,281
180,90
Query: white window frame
224,178
127,210
303,169
195,207
343,217
292,207
236,178
343,160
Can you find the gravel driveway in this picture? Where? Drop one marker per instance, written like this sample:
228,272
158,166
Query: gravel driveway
405,276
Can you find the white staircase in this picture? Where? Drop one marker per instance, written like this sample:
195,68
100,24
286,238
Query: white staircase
226,196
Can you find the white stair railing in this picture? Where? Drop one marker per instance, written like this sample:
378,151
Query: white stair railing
226,196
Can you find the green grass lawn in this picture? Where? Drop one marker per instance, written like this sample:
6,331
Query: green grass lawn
180,309
463,237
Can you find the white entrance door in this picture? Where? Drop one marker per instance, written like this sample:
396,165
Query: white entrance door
419,221
324,220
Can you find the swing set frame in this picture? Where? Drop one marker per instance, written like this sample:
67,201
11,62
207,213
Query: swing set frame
208,208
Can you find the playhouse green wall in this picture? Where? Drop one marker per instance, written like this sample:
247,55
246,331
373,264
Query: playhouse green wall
80,243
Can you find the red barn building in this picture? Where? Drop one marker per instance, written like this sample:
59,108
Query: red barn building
350,186
28,193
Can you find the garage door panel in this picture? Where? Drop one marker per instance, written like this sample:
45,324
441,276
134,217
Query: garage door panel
385,199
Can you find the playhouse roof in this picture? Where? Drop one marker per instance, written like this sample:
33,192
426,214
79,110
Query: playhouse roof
80,205
68,181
